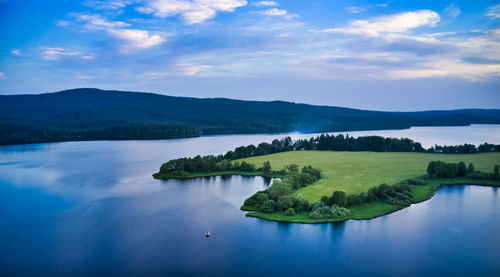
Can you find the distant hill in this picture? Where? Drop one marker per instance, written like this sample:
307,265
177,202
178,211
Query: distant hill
93,114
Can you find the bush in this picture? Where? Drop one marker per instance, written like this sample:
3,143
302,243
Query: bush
247,166
312,171
321,211
292,168
290,211
268,206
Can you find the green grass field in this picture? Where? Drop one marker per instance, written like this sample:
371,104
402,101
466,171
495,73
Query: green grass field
356,172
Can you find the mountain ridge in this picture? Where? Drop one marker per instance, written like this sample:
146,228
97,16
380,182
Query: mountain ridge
94,114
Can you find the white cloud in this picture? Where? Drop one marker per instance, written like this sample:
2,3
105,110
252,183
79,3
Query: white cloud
354,9
274,12
108,5
57,53
493,12
99,22
265,3
397,23
277,12
2,76
134,39
16,52
192,12
137,38
452,10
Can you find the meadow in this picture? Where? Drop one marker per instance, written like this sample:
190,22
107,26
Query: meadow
356,172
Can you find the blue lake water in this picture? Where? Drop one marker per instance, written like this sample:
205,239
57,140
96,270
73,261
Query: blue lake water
82,208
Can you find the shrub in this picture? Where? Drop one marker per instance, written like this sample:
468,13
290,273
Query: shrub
247,166
321,211
312,171
290,211
292,168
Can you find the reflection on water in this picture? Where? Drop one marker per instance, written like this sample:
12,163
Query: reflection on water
93,207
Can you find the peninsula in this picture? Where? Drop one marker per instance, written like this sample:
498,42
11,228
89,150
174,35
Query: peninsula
319,185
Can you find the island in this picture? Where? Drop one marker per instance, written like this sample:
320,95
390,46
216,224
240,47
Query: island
336,178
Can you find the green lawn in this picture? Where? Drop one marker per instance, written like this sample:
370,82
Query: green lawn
356,172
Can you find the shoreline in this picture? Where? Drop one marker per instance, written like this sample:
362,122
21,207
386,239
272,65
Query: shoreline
235,134
159,176
375,209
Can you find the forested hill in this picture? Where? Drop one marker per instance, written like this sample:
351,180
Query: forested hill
93,114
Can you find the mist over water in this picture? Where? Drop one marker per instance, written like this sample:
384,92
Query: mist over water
93,207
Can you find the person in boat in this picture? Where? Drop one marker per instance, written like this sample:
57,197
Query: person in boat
207,234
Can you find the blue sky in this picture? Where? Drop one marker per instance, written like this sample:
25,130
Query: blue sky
385,55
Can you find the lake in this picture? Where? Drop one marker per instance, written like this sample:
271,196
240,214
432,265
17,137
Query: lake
85,208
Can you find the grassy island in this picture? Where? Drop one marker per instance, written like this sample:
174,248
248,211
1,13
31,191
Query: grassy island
357,172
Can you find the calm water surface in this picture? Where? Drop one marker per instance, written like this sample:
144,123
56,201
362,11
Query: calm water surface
85,208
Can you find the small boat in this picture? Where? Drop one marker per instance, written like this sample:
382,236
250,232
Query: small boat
207,234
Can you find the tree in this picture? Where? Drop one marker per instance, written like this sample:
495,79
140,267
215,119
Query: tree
300,205
462,169
279,188
353,199
268,206
338,198
325,199
285,202
225,165
261,199
471,169
246,166
266,168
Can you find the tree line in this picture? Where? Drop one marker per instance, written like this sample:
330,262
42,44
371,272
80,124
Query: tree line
324,142
440,169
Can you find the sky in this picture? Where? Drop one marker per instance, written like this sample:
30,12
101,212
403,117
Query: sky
378,55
